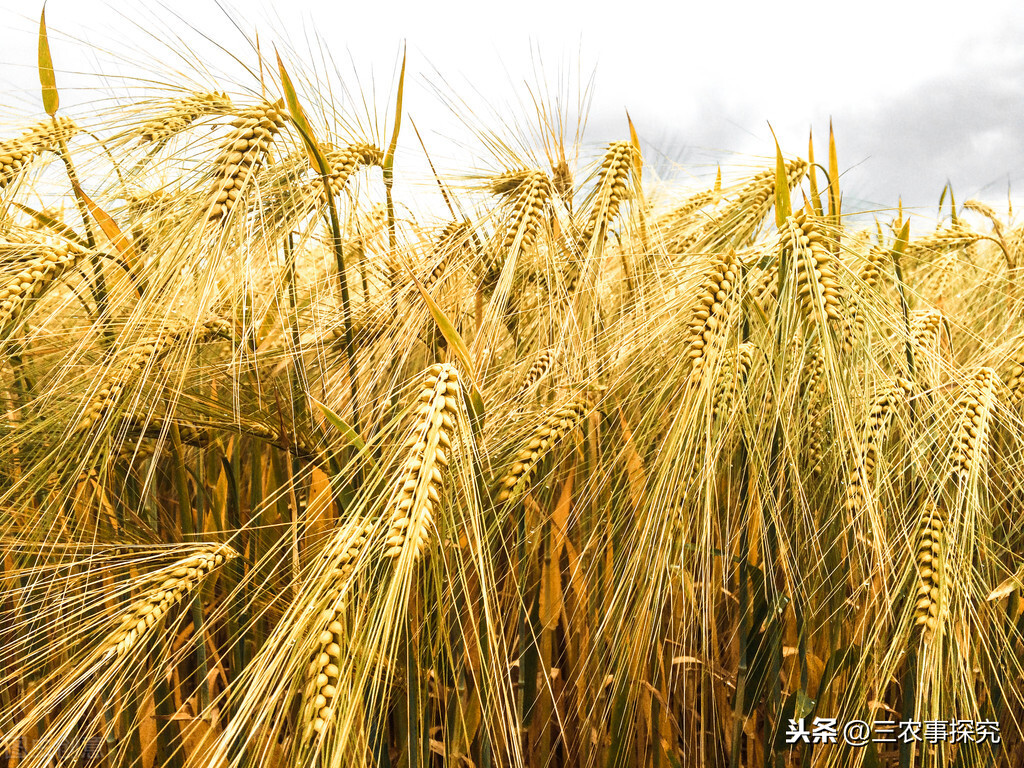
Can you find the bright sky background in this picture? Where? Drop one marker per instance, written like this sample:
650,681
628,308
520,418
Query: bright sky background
918,91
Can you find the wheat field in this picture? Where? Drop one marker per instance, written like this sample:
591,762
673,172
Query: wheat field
577,468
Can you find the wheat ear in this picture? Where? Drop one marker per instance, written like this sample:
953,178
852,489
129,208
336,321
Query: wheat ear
816,283
706,326
929,560
732,378
975,406
426,457
126,367
537,371
556,425
242,152
148,610
184,112
17,153
322,690
34,277
613,187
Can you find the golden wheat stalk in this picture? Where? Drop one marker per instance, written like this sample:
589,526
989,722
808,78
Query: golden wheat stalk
426,457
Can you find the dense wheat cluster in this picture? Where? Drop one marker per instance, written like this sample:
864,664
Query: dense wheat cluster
538,462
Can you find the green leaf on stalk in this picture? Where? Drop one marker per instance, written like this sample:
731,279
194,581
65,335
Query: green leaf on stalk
298,115
341,425
783,204
389,158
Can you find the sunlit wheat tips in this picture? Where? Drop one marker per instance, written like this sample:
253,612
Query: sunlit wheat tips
426,454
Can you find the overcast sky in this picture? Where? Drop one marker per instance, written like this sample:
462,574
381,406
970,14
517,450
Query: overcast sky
918,91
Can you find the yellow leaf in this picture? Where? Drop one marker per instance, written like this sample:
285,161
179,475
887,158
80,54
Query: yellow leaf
113,233
46,77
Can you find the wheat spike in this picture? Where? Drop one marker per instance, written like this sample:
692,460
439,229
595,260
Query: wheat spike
974,405
1014,379
537,371
732,378
242,152
33,278
17,153
613,187
816,283
127,366
322,689
148,610
426,458
454,236
707,324
954,236
560,422
739,220
929,560
185,112
874,432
